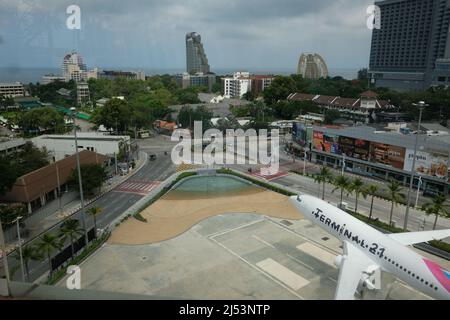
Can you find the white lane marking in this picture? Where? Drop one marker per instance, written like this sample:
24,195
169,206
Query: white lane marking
220,233
301,262
283,274
258,269
318,253
262,241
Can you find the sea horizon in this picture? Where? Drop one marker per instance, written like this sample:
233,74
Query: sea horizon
33,75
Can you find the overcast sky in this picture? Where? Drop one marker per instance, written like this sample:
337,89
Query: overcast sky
263,34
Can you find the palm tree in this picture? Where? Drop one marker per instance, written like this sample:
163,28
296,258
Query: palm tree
437,208
29,253
47,244
372,190
71,229
343,183
94,211
394,195
357,186
323,177
317,179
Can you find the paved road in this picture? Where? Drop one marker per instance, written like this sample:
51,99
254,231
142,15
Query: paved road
114,203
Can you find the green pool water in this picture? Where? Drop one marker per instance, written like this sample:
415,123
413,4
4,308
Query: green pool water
211,186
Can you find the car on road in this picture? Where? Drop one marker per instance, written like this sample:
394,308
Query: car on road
152,156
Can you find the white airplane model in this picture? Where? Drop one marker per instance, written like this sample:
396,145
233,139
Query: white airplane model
367,252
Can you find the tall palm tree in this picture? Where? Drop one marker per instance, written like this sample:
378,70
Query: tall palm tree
71,229
437,208
323,177
47,245
357,186
394,195
29,253
94,211
372,190
342,183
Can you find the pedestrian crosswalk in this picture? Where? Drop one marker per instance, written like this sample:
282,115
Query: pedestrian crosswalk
137,187
279,174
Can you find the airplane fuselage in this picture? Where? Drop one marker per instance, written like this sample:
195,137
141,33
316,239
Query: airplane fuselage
390,255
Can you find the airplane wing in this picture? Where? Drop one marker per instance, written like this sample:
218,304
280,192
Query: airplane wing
409,238
354,263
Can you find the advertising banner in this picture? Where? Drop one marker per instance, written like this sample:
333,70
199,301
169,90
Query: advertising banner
362,149
431,164
396,156
331,143
347,146
318,141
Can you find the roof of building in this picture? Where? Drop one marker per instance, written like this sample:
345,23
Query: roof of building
435,127
344,103
6,145
84,136
34,184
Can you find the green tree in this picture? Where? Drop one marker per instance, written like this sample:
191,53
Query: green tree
94,212
436,208
343,184
280,89
47,245
331,116
46,118
324,177
70,229
188,115
394,195
115,115
92,177
10,212
8,175
357,186
29,253
372,190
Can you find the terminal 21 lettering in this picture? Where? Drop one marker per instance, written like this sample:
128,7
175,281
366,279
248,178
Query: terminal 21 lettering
373,248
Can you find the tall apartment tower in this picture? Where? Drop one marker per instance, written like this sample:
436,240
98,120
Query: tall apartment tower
411,50
196,59
73,67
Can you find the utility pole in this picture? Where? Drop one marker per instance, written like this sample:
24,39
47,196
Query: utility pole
20,247
77,155
421,105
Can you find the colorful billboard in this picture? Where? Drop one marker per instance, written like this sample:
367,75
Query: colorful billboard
325,142
347,146
361,150
387,154
431,164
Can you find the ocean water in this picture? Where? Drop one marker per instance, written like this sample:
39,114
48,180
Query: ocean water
27,75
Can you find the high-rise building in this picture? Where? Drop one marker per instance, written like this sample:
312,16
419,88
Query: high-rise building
312,66
196,60
409,50
73,68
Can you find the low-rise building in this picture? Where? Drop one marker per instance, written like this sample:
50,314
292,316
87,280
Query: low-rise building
364,109
186,80
36,188
380,154
83,94
49,78
242,82
11,146
62,146
12,89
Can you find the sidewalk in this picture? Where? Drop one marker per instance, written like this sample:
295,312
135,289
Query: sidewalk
37,227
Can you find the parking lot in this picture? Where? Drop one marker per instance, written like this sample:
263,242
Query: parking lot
230,256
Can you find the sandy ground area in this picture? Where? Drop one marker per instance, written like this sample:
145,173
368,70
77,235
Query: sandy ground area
174,214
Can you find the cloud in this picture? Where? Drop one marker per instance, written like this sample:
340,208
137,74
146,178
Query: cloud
150,33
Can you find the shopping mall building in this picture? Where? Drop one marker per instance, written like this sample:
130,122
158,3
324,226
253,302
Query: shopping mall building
383,154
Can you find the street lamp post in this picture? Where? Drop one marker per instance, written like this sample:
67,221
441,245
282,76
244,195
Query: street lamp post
343,163
418,190
304,162
20,247
4,255
83,220
421,105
